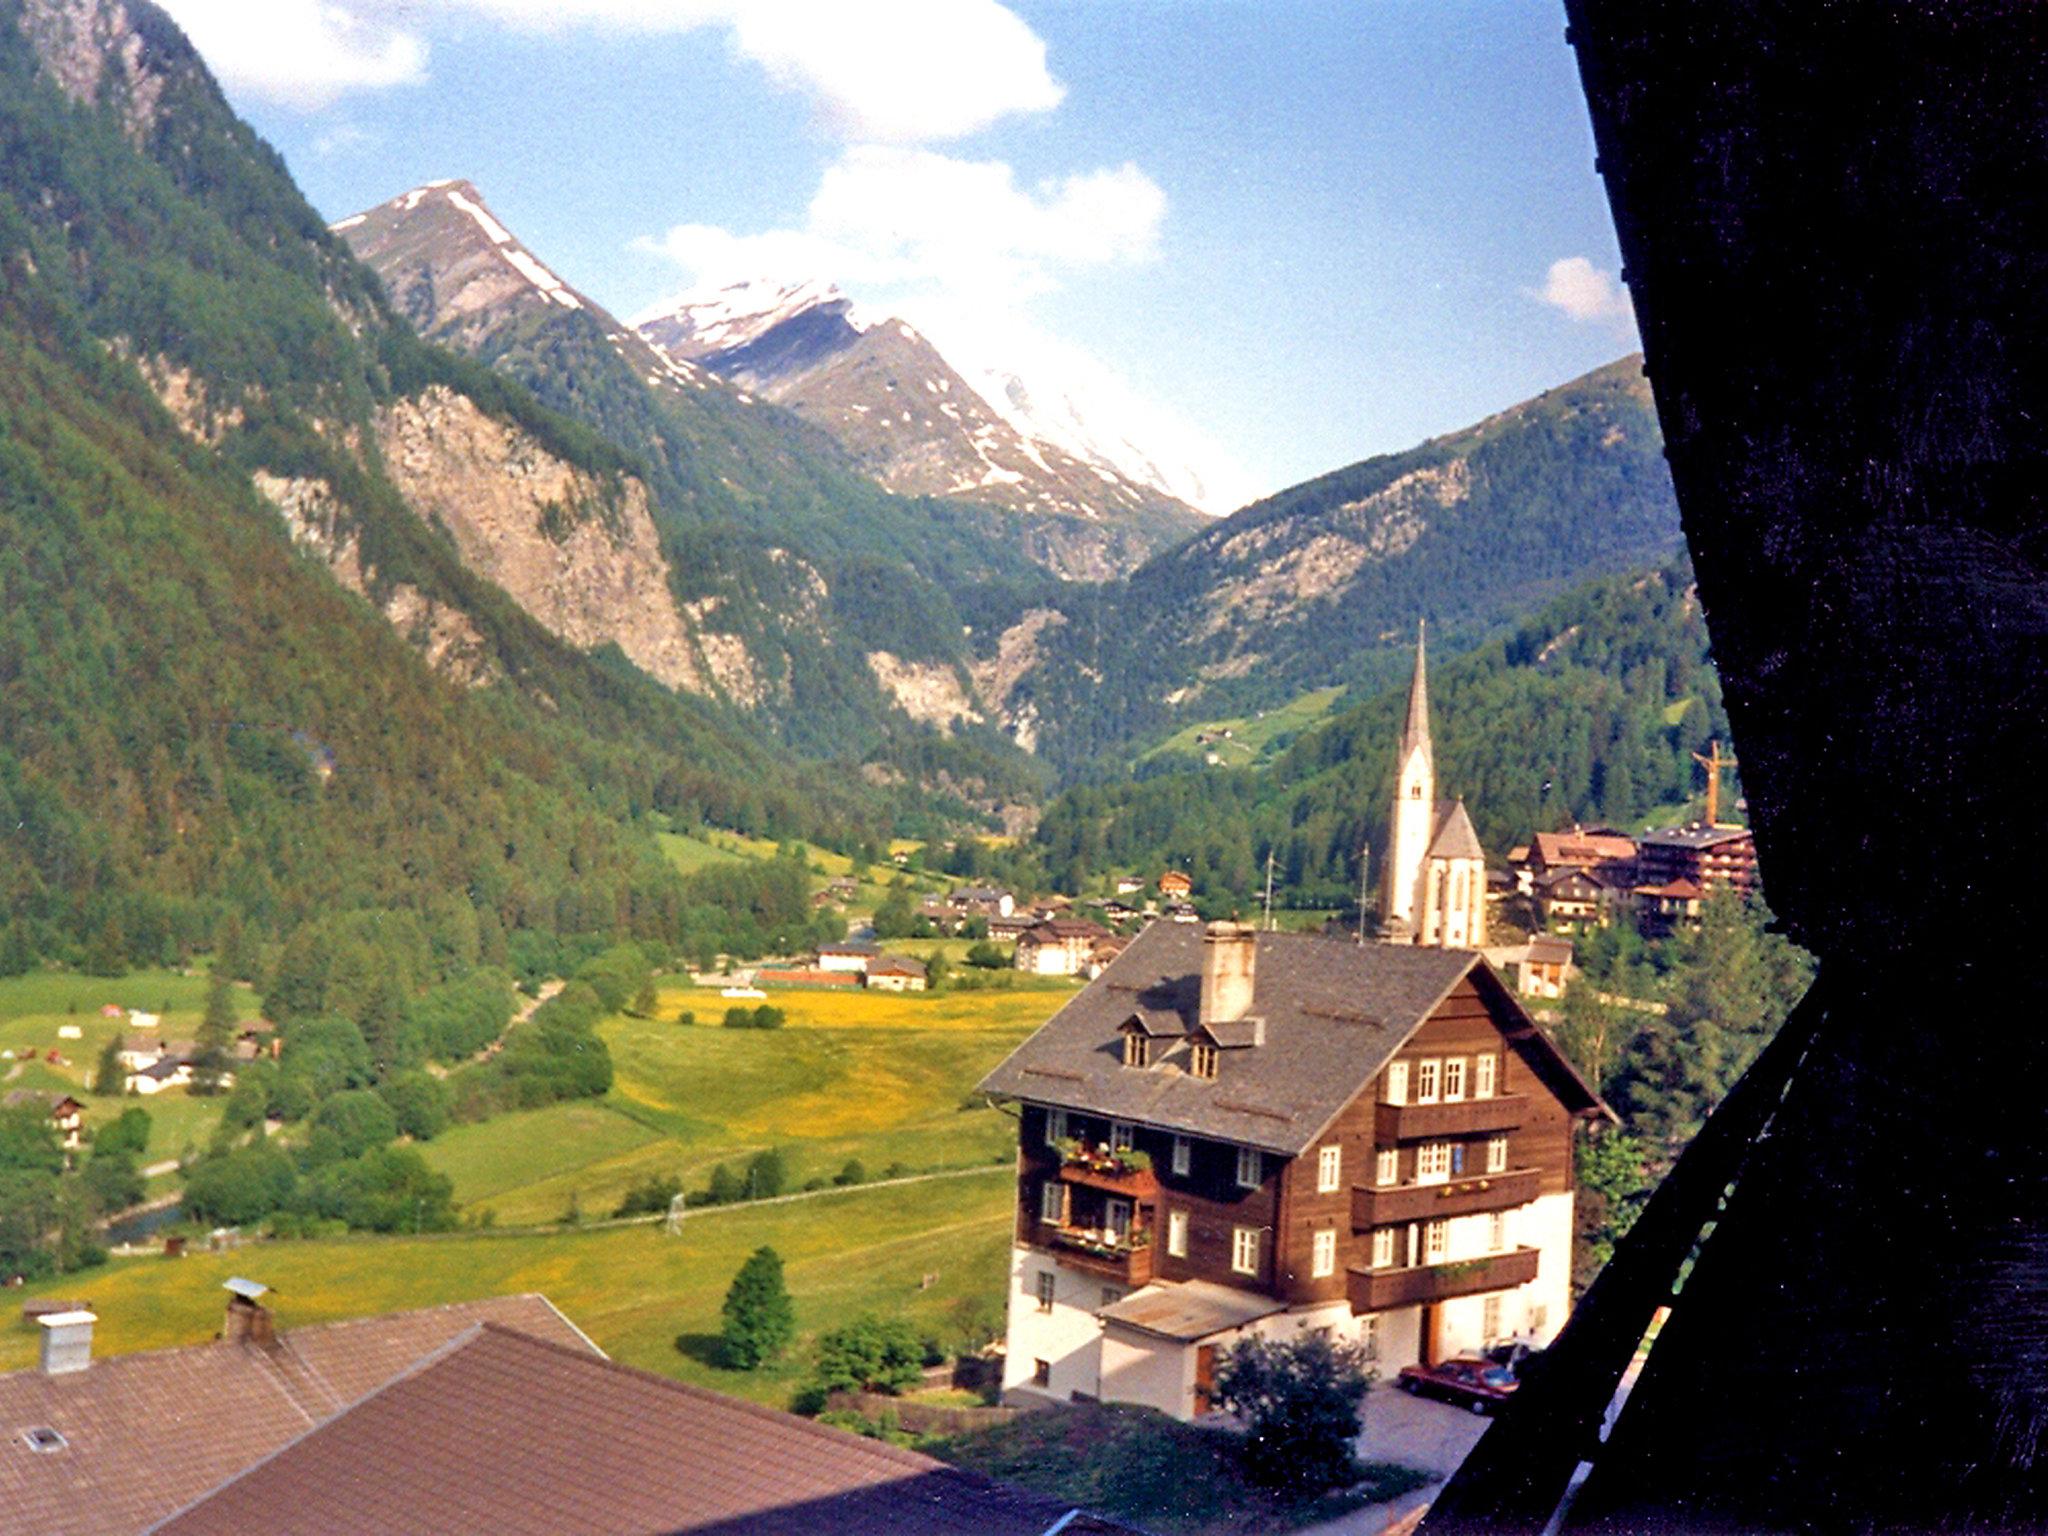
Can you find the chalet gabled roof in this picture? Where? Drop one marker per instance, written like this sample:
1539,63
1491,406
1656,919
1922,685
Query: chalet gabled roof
1334,1012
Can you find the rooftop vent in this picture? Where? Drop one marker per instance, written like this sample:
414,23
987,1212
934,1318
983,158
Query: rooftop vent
67,1342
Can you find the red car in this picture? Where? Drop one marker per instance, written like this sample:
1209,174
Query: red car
1479,1385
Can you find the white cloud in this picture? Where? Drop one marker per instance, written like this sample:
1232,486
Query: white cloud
1585,292
301,53
883,71
912,219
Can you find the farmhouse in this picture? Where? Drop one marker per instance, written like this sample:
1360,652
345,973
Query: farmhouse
896,973
1541,967
66,1114
982,900
1550,853
1062,946
851,955
1174,883
1232,1132
495,1417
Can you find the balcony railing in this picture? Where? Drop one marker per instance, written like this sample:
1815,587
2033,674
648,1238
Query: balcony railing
1467,1117
1465,1195
1126,1262
1126,1173
1374,1290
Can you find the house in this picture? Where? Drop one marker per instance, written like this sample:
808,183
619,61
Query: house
1661,908
1012,927
1573,897
1540,968
982,901
1708,856
1120,912
1434,887
66,1114
1174,883
1232,1133
896,973
153,1065
496,1416
1129,885
1059,946
1601,849
852,956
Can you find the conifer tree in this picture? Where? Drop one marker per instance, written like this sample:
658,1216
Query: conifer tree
108,1077
216,1035
759,1319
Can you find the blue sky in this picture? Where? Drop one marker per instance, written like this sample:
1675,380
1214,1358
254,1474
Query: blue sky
1281,236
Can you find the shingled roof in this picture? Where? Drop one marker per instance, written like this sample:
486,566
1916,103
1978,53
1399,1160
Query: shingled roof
501,1434
1333,1012
146,1433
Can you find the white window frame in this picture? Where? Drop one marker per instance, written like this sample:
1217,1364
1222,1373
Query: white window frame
1496,1154
1323,1253
1202,1061
1055,1127
1397,1082
1183,1156
1497,1232
1436,1241
1177,1233
1484,1070
1046,1289
1052,1202
1329,1169
1386,1170
1122,1136
1489,1320
1454,1079
1244,1250
1250,1162
1383,1248
1428,1080
1433,1162
1369,1335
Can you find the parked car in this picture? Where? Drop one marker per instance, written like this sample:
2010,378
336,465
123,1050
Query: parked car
1478,1385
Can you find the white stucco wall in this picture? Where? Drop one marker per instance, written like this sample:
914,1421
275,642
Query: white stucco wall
1068,1337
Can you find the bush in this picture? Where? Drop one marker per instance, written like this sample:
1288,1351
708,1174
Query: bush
1299,1399
988,957
759,1319
649,1198
767,1016
767,1175
241,1186
418,1102
387,1189
852,1173
870,1354
358,1120
725,1188
128,1132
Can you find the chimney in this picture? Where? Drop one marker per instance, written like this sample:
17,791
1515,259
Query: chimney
248,1320
67,1342
1229,957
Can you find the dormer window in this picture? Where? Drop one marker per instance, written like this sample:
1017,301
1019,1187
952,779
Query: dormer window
1202,1060
1137,1050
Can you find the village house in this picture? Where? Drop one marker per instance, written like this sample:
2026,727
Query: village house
1232,1133
380,1423
1434,891
982,901
1129,885
66,1114
1611,853
849,956
1660,909
1566,898
1708,856
896,973
1061,946
1540,968
1174,883
154,1065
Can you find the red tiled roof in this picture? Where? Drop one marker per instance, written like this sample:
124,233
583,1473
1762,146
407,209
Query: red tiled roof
147,1433
505,1435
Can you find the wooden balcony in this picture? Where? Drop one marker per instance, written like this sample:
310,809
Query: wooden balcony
1467,1117
1467,1195
1374,1290
1125,1264
1137,1184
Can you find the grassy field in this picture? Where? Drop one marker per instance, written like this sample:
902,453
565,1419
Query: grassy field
886,1078
692,852
34,1007
1252,737
928,1252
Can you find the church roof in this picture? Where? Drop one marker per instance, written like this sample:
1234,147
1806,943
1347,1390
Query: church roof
1416,732
1455,838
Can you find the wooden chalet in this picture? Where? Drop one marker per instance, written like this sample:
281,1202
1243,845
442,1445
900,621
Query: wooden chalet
1232,1132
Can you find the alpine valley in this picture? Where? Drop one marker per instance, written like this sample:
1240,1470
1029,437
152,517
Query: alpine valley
381,567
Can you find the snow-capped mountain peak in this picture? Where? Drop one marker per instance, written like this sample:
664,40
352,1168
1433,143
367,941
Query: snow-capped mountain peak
733,315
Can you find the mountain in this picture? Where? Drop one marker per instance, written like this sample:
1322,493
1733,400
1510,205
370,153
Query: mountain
1324,583
819,601
919,427
1588,710
246,665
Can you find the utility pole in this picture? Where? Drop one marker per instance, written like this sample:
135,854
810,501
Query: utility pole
1364,882
1714,764
1269,890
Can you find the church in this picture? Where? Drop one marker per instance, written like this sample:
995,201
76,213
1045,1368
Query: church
1434,892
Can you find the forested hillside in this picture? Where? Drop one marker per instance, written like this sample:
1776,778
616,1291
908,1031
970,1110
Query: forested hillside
1323,584
196,718
1588,711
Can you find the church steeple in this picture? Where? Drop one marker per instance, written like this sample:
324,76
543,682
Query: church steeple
1416,732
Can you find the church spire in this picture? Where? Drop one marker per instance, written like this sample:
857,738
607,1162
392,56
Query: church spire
1416,732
